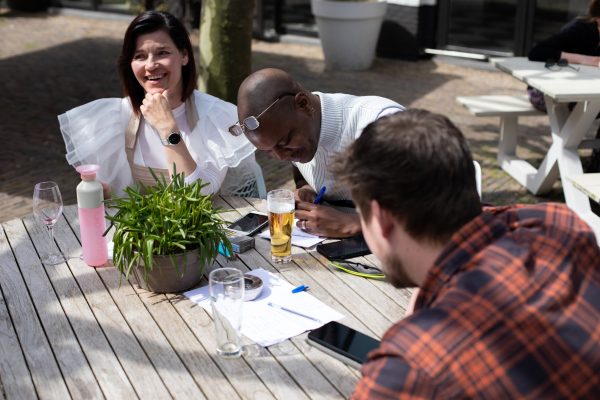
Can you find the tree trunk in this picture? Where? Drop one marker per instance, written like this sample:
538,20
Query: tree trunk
225,46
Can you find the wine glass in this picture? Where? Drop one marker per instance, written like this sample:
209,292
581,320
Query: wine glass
47,208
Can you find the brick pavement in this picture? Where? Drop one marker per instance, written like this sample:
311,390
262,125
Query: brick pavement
51,63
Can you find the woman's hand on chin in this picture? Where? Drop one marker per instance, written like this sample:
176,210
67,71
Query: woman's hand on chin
156,109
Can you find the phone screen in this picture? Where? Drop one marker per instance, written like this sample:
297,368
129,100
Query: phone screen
250,223
345,248
344,340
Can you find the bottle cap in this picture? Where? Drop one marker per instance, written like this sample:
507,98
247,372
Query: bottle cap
88,171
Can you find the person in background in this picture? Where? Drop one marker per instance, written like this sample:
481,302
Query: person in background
281,117
162,123
509,298
578,42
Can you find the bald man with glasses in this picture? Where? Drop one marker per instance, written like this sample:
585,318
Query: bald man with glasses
307,128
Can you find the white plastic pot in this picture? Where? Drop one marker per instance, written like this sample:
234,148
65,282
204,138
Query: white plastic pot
348,32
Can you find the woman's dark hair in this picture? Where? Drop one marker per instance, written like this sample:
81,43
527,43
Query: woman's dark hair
593,9
148,22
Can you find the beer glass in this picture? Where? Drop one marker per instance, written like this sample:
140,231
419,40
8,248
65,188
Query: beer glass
280,205
226,286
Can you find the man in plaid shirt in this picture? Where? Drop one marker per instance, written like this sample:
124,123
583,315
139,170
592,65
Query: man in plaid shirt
509,302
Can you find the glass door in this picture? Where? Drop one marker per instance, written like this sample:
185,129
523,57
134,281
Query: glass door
551,15
480,26
501,27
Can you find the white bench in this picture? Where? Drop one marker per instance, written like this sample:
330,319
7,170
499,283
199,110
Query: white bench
509,109
588,184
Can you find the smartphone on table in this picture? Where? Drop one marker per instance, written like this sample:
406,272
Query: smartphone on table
342,342
250,223
345,248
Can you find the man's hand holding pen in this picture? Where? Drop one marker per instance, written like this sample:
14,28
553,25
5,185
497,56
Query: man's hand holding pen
323,220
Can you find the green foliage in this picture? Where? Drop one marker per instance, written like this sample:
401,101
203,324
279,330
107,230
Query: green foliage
165,219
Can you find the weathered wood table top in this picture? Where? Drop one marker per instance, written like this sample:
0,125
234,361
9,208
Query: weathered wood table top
71,331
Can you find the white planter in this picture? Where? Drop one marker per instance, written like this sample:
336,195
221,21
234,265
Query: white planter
348,32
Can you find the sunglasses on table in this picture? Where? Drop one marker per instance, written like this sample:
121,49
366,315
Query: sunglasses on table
251,123
554,65
358,269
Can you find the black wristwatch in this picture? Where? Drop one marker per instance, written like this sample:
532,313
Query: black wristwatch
171,140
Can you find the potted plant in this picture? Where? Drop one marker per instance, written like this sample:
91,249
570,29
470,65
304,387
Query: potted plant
349,30
166,234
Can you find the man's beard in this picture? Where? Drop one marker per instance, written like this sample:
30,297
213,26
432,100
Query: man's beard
395,273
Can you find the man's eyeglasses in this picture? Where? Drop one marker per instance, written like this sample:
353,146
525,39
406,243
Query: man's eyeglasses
554,65
251,123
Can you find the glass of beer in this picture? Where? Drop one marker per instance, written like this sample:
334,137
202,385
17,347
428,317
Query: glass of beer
280,205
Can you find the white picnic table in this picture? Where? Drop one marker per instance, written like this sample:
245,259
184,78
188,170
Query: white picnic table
560,86
72,331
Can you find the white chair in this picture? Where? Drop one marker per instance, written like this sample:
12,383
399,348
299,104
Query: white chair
245,180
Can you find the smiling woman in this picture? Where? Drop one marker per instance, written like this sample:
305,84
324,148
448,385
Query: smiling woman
163,122
157,65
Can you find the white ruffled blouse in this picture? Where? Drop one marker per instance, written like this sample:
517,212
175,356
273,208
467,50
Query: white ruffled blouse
94,133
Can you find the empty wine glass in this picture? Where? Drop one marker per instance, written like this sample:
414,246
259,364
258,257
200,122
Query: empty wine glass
47,208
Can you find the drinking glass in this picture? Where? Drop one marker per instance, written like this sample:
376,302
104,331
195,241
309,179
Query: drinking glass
47,208
280,205
226,287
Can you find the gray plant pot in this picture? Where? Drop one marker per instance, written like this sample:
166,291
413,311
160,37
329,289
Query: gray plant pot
170,277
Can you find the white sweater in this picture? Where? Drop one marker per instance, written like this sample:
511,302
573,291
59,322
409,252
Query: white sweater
343,118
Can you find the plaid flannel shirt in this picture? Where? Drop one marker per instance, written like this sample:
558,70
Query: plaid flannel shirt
511,309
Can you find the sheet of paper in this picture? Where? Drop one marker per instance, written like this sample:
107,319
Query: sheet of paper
299,237
266,325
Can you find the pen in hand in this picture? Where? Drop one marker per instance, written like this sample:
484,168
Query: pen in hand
320,195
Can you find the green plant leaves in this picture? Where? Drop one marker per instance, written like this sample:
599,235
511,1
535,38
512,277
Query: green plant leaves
165,219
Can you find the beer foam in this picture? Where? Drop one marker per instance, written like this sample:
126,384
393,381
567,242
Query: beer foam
279,207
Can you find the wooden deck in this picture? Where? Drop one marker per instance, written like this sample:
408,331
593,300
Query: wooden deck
71,331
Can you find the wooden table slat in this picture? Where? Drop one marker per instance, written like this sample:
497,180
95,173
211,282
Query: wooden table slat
136,337
96,347
107,338
310,379
14,375
42,365
74,366
191,352
241,376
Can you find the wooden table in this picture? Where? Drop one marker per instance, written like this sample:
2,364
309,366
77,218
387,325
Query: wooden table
71,331
569,127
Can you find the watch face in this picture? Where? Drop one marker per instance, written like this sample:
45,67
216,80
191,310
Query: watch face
174,138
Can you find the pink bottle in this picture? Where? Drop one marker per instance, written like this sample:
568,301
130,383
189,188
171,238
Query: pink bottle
91,217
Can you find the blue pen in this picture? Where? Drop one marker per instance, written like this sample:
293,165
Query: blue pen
300,288
320,195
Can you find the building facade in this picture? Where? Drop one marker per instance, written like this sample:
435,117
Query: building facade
412,28
476,28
